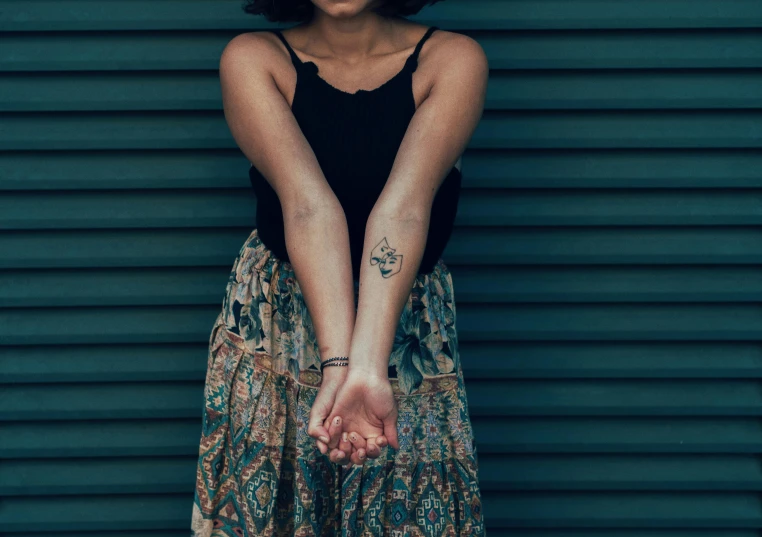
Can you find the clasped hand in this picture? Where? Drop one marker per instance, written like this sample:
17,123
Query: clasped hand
354,415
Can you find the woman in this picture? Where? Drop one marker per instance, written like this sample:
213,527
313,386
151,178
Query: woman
334,396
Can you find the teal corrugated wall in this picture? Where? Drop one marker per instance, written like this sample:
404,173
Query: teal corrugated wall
606,261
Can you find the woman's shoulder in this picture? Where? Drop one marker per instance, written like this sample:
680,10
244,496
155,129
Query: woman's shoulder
447,44
258,49
448,55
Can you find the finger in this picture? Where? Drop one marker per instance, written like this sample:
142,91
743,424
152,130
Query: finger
381,441
344,444
358,442
390,429
322,447
358,457
315,428
347,455
372,451
320,434
334,432
337,456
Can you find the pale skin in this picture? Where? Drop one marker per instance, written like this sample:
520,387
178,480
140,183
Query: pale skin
354,415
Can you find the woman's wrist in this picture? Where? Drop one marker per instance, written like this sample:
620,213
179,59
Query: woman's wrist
334,374
368,369
366,359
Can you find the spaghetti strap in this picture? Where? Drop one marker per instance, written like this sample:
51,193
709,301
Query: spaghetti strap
413,59
294,58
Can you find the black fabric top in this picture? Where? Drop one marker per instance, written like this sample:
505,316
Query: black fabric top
355,137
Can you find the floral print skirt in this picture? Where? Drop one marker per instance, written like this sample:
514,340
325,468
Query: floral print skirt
260,474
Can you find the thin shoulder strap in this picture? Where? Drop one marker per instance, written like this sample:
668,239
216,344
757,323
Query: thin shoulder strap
414,56
294,58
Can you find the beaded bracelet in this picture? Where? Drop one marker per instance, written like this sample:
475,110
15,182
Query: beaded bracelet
334,363
337,361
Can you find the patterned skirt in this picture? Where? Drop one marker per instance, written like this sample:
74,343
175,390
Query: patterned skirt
258,471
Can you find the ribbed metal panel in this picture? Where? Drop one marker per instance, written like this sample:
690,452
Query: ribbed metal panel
606,262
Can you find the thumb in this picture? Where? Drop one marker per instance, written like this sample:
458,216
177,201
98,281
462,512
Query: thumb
318,414
390,429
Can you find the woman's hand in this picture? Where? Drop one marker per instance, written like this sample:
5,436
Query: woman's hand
333,378
367,413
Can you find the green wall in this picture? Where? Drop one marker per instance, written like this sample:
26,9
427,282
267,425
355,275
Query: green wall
606,262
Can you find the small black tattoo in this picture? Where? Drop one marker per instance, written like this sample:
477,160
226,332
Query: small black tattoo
388,263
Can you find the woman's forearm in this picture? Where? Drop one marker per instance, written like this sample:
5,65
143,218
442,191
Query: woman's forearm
392,253
318,248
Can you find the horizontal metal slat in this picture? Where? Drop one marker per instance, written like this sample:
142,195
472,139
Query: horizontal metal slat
499,398
623,509
659,246
79,15
610,168
723,169
615,434
622,90
107,325
597,283
516,90
503,130
155,511
184,533
142,286
109,248
606,359
75,477
726,48
630,472
57,439
477,207
613,207
623,397
586,532
503,510
156,362
476,322
111,401
223,208
609,532
629,322
567,472
137,286
101,438
471,246
144,170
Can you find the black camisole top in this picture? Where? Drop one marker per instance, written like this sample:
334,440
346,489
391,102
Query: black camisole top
355,137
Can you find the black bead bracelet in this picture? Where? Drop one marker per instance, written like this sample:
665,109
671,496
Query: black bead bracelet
337,361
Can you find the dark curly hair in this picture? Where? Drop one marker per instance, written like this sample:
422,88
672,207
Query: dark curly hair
302,10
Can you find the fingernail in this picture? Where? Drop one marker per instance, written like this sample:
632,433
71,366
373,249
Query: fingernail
340,455
337,420
361,454
354,438
324,439
344,437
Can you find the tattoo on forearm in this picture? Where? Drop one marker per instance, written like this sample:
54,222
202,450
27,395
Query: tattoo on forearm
384,256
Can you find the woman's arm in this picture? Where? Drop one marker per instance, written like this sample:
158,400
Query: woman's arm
437,134
267,132
396,231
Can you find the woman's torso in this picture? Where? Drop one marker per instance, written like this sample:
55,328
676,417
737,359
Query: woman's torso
356,137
